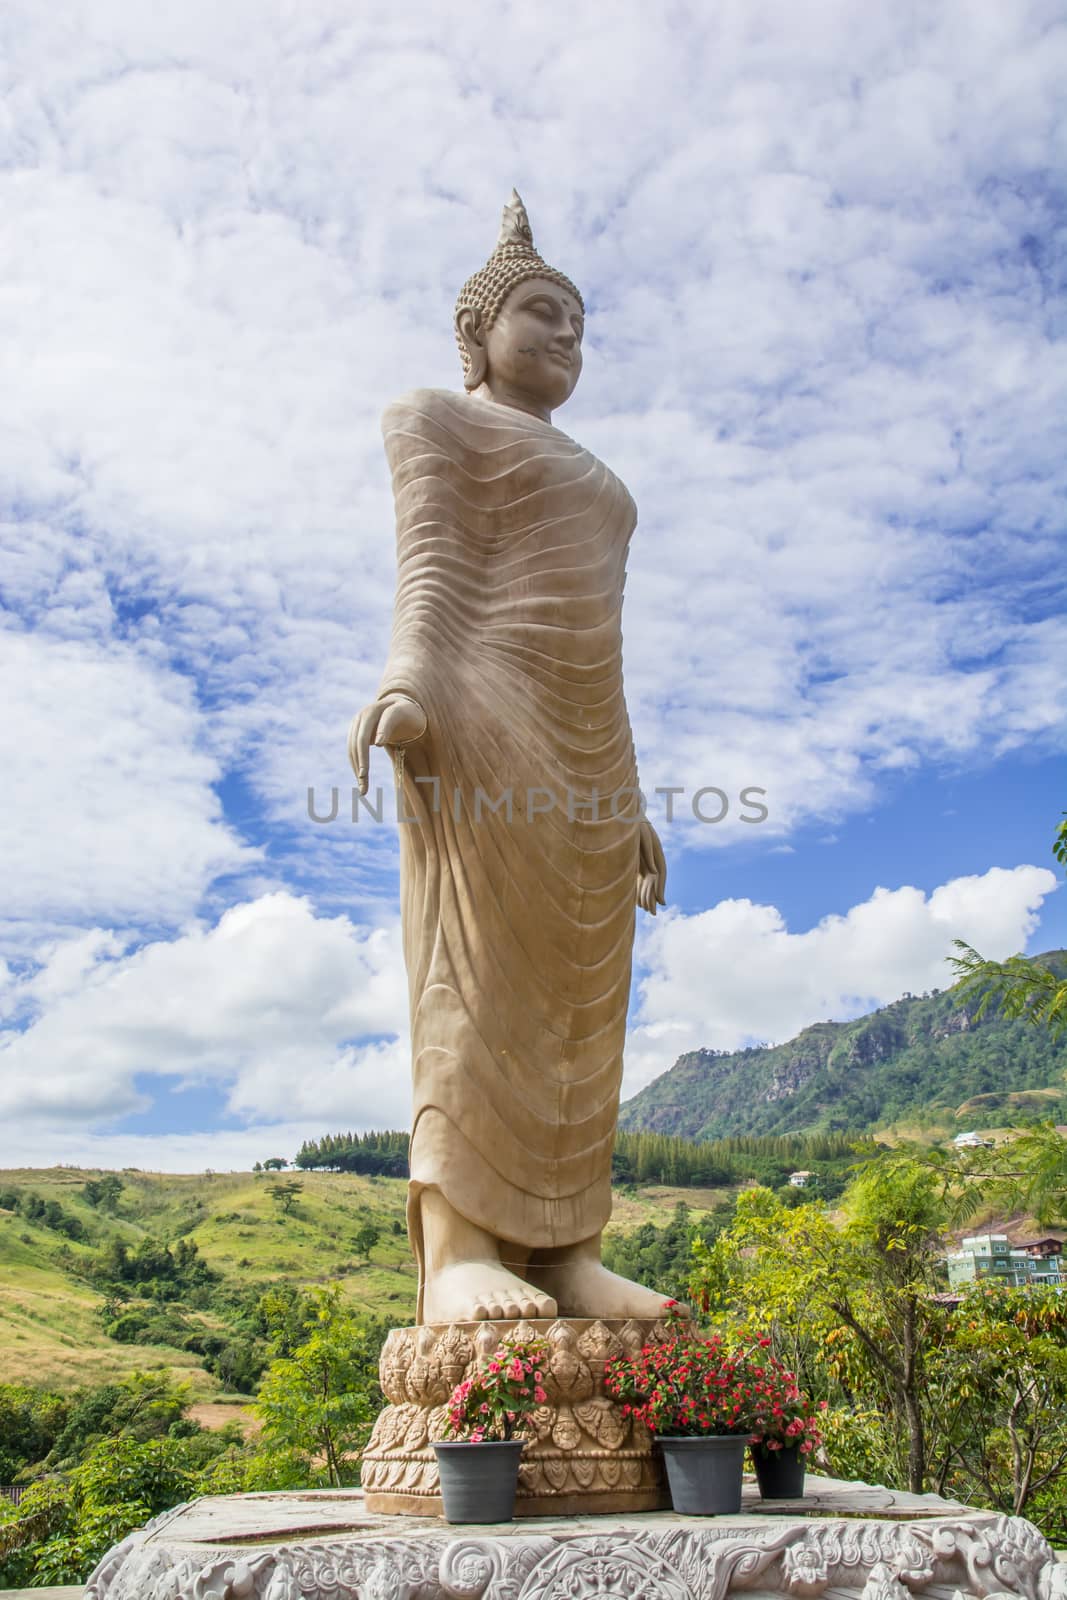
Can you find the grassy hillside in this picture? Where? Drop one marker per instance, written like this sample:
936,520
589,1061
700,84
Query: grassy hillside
925,1062
53,1317
54,1314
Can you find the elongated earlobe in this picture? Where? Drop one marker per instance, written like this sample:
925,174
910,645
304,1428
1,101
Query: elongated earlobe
472,344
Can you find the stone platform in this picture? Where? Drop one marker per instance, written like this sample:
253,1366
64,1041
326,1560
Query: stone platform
844,1541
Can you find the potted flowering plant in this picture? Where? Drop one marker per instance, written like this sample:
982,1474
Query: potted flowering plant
784,1429
697,1396
479,1465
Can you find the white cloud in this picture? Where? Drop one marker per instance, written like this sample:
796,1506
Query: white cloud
294,1017
735,975
109,809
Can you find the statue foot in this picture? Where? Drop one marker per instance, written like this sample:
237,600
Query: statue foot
584,1287
480,1291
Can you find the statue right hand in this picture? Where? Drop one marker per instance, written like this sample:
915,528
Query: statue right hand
394,720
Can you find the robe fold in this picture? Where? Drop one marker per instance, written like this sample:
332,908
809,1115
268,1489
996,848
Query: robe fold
518,929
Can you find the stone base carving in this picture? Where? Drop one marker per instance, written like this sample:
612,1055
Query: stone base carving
583,1455
860,1544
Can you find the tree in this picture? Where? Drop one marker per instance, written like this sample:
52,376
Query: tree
30,1422
257,1166
1030,988
896,1231
855,1301
285,1194
366,1239
1008,1358
378,1154
103,1193
144,1405
284,1316
275,1164
321,1401
1022,986
127,1452
119,1486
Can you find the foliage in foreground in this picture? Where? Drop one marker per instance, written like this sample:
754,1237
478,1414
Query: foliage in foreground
1025,1174
65,1525
1034,988
1030,987
102,1462
319,1401
967,1399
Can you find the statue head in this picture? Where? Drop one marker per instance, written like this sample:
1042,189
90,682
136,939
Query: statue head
519,323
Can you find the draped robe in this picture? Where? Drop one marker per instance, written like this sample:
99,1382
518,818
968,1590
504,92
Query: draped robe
518,932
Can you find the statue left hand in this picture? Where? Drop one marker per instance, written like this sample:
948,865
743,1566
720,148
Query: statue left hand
391,720
651,870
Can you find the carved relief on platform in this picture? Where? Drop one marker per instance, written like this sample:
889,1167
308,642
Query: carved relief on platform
580,1443
981,1557
605,1569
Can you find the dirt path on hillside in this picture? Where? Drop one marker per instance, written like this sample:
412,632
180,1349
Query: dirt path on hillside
217,1416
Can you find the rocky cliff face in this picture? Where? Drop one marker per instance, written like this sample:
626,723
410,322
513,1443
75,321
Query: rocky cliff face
958,1022
801,1061
878,1040
790,1078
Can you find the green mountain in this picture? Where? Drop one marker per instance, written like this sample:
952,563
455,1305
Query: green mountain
923,1063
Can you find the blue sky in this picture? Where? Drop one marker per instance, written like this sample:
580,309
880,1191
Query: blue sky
822,253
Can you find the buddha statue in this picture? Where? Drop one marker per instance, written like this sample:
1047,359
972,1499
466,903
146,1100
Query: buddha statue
526,851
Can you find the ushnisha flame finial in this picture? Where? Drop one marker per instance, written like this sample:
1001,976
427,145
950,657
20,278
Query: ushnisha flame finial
515,224
514,259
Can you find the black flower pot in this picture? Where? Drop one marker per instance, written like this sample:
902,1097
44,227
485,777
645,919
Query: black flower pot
779,1473
705,1474
478,1481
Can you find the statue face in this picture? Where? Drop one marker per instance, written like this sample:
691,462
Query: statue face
534,348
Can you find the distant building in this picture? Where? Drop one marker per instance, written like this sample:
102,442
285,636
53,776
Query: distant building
1041,1249
800,1180
970,1141
992,1255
